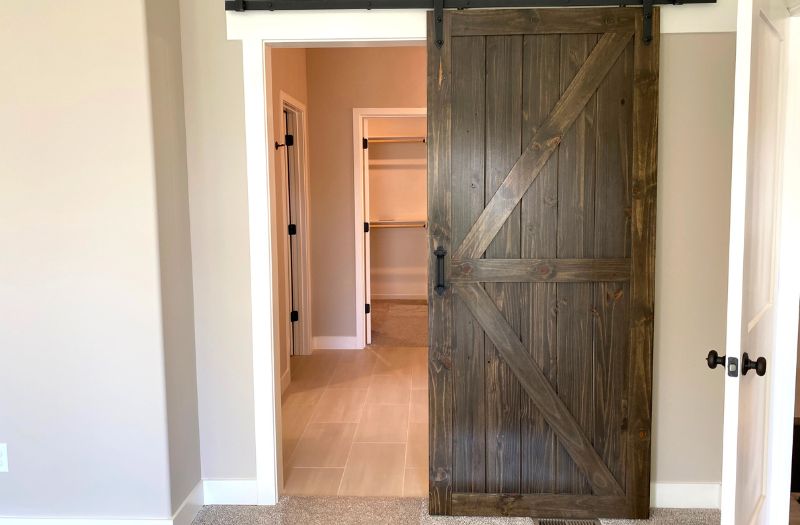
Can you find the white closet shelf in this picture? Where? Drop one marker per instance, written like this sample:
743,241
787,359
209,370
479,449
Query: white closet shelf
398,224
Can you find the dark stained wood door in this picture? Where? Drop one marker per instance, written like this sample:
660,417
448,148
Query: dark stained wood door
542,190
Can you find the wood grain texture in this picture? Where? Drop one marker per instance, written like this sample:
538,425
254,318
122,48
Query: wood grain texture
576,182
549,505
538,223
468,142
440,379
540,270
544,142
503,147
541,21
570,434
643,252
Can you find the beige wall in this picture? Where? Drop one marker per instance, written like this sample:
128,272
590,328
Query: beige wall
82,393
288,76
215,146
695,136
340,79
175,251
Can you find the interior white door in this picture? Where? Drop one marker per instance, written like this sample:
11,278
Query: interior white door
367,264
753,262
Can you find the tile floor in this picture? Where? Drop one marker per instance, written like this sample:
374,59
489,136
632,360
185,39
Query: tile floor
355,423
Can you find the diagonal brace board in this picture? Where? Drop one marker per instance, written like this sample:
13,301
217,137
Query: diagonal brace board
570,434
543,144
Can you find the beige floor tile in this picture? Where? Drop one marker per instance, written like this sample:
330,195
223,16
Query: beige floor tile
419,406
295,415
352,374
313,481
419,376
389,389
417,454
383,424
374,469
397,361
323,445
340,405
415,483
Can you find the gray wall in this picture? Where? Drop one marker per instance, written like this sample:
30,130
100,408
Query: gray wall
82,401
213,97
695,137
175,251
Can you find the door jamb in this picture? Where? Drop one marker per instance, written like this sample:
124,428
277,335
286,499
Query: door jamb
359,216
302,265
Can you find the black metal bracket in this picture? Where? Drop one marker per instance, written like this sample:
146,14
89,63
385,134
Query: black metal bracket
438,21
647,21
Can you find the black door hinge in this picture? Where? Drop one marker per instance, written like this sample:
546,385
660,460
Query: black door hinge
367,308
288,140
292,229
294,316
365,143
366,227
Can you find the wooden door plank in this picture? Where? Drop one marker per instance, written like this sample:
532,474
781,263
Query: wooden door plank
570,434
576,177
544,505
468,139
503,147
643,252
542,21
544,142
538,224
540,270
612,239
440,380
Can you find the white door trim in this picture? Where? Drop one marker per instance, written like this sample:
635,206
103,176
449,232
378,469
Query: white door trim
359,216
327,28
302,265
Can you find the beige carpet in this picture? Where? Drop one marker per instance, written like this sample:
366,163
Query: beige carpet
412,511
399,323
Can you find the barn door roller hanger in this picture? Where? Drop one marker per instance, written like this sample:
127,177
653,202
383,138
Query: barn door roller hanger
439,6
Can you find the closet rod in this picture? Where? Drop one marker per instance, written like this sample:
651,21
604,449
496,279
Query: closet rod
397,140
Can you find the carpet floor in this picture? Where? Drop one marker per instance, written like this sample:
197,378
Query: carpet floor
295,510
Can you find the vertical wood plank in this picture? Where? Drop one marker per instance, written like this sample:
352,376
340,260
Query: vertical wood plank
612,239
576,167
538,228
503,148
468,138
643,253
440,380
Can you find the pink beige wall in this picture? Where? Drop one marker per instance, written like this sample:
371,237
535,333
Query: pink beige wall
340,79
288,76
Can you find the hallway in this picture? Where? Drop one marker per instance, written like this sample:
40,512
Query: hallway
355,422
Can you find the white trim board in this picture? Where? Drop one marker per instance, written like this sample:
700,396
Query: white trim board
407,26
335,342
183,516
685,495
230,492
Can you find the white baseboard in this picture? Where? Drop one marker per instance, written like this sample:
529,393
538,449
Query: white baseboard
190,506
230,491
335,342
685,495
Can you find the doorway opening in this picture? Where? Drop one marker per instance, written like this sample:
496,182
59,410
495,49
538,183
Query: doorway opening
354,406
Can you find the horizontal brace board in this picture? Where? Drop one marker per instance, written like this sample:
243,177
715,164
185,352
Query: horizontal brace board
539,505
305,5
540,270
542,21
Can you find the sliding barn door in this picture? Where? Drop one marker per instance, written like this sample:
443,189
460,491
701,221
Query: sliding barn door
542,193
